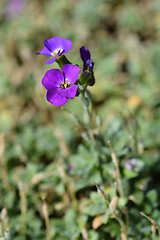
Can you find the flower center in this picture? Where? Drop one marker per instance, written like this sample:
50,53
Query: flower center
56,52
64,85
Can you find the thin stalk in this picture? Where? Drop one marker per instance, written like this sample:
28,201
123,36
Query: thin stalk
115,162
83,230
118,176
46,218
119,220
101,193
123,227
154,226
23,205
153,232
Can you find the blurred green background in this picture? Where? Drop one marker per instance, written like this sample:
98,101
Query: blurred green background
46,158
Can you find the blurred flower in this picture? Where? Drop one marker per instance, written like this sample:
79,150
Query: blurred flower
87,63
14,9
55,47
59,84
71,167
130,164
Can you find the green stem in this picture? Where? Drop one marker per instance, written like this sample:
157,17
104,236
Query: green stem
62,60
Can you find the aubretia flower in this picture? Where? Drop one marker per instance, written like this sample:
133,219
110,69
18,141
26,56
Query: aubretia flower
87,63
14,9
59,84
86,58
131,163
55,47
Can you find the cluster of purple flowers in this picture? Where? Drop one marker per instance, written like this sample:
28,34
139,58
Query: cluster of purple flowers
63,85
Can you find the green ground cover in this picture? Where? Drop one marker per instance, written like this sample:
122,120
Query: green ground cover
49,156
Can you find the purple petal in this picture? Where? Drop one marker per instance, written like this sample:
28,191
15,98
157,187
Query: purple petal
54,98
54,43
69,92
50,61
89,64
52,79
84,54
67,45
45,51
71,73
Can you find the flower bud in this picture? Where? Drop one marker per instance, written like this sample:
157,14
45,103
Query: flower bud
84,77
91,81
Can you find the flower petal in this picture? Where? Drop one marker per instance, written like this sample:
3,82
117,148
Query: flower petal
84,54
54,98
45,51
50,61
54,43
89,65
71,73
69,92
66,46
52,79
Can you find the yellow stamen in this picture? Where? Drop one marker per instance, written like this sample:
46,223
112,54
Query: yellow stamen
64,85
55,52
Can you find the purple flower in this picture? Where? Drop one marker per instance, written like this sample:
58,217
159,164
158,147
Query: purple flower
14,9
55,47
87,63
130,164
86,58
59,84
